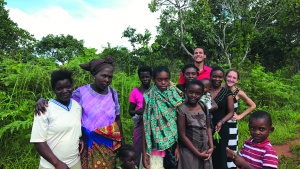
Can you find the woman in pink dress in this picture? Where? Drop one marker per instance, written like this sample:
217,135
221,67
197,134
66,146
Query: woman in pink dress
136,110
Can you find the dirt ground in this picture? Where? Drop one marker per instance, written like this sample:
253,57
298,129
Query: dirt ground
285,149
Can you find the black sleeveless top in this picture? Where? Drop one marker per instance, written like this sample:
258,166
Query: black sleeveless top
234,94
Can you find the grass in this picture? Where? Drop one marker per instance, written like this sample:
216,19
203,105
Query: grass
17,103
288,163
285,129
296,149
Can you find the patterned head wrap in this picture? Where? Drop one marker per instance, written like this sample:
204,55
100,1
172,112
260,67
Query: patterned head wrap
96,65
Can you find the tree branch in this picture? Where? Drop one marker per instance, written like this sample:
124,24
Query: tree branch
182,33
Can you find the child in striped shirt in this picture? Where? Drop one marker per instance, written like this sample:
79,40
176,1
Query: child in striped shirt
257,152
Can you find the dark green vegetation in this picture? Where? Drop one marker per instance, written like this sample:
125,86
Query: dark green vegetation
261,42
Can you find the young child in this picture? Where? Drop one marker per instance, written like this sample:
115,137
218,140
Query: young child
207,100
206,97
160,127
195,135
257,152
136,110
126,155
189,72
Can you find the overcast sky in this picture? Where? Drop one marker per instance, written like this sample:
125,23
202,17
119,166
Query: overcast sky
94,21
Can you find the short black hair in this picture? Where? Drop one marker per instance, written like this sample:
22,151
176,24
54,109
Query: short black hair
261,115
123,150
200,47
195,82
61,74
189,66
216,68
145,69
205,79
232,70
159,69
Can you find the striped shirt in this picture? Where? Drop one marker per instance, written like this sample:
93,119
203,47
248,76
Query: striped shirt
259,155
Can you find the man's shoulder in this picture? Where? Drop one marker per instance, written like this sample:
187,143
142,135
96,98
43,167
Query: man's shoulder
207,68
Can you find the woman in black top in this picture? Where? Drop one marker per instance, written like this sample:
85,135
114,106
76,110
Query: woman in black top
223,98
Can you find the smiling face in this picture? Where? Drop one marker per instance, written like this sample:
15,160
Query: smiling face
128,162
199,55
63,90
145,78
231,78
206,83
260,129
216,78
194,92
103,79
162,80
190,74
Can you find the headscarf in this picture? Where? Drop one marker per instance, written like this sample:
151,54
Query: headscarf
96,65
160,117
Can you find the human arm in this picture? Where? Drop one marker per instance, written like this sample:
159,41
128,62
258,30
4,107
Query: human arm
44,150
251,105
40,106
117,111
146,158
177,153
228,116
132,110
183,138
210,139
214,106
239,161
118,121
81,146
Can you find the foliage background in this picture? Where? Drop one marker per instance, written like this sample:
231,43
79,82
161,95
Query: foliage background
258,38
23,83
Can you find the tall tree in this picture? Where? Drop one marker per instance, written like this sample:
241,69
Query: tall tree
123,60
226,27
137,40
277,41
173,31
13,40
62,47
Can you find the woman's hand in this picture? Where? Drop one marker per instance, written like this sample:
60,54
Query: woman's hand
177,153
209,153
146,161
40,106
231,154
139,111
237,117
61,165
203,155
218,126
81,146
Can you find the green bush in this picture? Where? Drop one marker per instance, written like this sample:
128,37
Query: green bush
22,84
296,149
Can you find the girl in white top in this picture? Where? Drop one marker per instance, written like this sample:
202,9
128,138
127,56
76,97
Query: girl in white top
56,134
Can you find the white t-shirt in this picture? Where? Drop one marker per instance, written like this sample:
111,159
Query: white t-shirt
60,127
206,99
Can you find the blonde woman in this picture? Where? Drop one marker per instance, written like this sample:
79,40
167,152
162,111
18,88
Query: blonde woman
231,78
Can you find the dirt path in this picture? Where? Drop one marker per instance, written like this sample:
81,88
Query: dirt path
285,149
